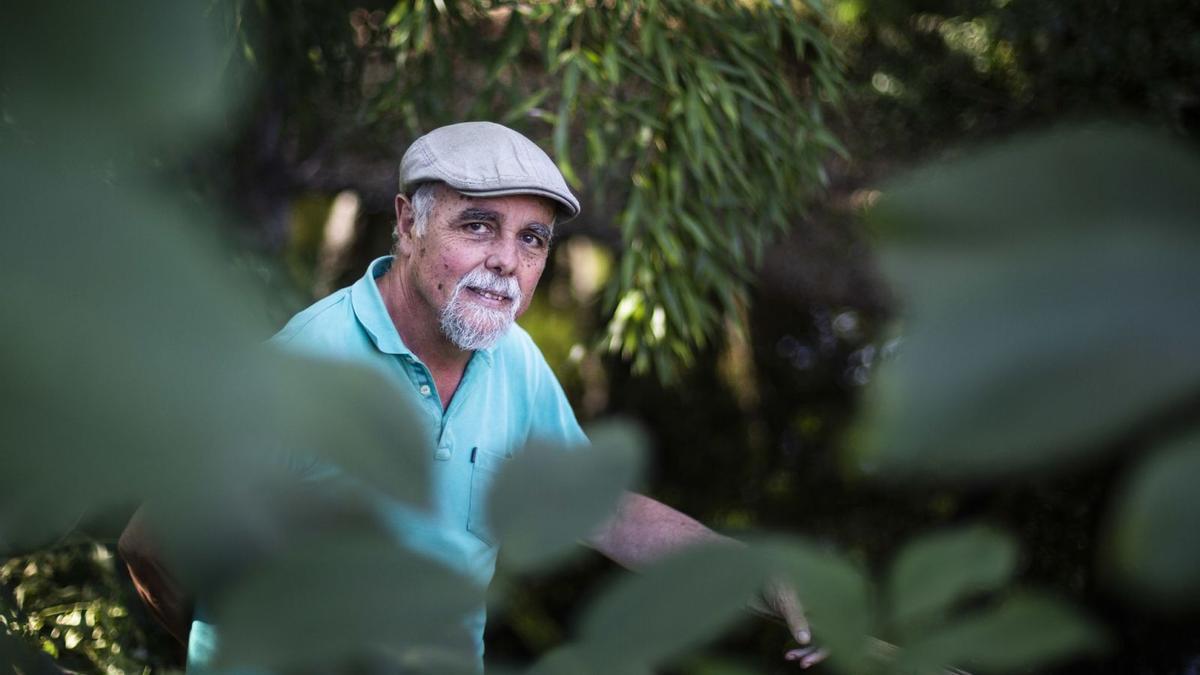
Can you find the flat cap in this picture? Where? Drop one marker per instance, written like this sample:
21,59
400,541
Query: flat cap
484,159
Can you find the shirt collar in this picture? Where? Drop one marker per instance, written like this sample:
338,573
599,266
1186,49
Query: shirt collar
373,315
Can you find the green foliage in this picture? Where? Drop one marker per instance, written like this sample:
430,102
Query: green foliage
1049,288
336,597
581,488
1154,547
1025,631
1050,296
928,589
926,76
65,602
677,603
79,62
934,572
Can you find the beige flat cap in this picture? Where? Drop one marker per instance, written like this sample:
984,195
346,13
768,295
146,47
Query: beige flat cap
485,159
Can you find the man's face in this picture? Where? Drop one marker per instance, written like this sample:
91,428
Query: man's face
478,262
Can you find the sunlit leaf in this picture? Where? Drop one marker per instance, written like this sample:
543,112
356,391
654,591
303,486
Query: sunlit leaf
549,498
1153,542
934,572
349,594
674,604
1025,632
1049,295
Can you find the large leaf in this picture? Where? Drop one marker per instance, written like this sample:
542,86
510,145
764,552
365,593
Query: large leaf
549,498
96,78
342,595
836,597
1025,632
134,370
1154,544
934,572
1050,293
677,603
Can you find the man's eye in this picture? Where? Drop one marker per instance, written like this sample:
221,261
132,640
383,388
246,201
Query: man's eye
533,240
476,228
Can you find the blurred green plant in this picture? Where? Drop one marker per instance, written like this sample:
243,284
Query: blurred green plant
1052,312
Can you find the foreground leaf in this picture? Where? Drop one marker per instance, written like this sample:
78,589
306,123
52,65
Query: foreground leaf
349,595
934,572
548,498
167,392
1025,632
1154,547
1050,296
673,605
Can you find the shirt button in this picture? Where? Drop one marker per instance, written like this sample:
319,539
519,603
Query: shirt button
425,390
442,453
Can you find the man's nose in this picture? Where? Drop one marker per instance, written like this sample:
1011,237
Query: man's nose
502,258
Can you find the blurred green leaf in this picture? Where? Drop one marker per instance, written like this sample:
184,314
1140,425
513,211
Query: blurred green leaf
933,572
341,595
835,594
81,72
675,604
547,499
571,661
712,665
135,370
1153,543
1049,289
1025,632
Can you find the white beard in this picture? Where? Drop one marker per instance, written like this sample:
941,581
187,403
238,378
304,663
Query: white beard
472,326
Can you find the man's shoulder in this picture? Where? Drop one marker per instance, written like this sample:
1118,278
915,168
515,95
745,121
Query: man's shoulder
331,317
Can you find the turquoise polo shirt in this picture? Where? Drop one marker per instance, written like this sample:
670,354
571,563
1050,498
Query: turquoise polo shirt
508,397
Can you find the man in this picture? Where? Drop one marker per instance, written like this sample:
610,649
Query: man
477,208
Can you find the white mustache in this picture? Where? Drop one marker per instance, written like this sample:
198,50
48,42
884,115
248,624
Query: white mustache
486,280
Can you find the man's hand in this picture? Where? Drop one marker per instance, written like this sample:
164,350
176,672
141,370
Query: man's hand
778,601
643,530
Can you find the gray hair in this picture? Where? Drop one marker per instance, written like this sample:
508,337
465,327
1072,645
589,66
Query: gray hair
422,201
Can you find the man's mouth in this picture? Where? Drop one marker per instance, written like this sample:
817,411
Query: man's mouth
489,295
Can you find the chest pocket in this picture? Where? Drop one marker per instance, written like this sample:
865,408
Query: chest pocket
484,468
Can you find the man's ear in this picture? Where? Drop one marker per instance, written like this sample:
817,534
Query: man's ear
405,221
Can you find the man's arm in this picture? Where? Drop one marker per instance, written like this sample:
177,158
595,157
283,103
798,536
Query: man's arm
643,530
161,592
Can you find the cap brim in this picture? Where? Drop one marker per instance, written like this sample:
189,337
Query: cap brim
566,209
